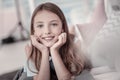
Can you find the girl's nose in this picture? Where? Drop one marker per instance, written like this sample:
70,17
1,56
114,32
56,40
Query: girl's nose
47,30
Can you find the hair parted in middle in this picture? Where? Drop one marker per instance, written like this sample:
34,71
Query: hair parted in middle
67,53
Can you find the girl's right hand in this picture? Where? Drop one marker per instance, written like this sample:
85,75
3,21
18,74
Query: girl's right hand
38,45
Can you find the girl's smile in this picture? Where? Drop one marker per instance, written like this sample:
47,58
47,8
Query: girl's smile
48,38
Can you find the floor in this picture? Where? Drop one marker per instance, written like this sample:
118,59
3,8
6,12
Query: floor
12,56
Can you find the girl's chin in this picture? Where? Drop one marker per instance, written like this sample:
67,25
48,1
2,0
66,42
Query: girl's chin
49,45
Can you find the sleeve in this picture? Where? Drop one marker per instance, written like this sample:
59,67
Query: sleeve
25,77
21,75
29,71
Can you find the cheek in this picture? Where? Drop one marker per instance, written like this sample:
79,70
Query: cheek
57,32
37,32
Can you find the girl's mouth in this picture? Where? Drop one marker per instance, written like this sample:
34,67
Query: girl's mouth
50,38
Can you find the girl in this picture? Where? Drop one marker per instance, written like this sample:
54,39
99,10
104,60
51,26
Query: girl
52,53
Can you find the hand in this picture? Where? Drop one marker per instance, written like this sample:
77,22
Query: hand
36,42
61,40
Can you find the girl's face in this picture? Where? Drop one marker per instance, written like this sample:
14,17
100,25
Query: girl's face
47,27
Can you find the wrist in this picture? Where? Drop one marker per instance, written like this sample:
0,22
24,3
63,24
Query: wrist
53,50
45,53
54,53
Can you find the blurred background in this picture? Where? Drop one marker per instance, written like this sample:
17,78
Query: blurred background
11,11
15,18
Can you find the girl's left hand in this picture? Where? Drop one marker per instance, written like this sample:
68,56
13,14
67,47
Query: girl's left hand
61,40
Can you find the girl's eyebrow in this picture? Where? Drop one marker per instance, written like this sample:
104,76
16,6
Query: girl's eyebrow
54,21
39,22
50,21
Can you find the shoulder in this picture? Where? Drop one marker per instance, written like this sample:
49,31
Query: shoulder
30,69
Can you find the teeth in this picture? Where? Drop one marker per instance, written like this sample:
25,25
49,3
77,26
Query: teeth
48,38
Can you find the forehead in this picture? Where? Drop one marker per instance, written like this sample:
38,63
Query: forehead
45,15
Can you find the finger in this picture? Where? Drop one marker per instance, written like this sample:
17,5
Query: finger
60,39
65,37
32,38
40,39
36,37
56,37
34,41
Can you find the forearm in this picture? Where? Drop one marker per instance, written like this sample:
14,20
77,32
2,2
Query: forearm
44,72
60,67
99,12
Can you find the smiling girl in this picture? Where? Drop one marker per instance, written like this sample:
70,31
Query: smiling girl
53,53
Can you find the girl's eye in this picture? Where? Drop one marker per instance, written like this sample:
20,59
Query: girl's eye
54,24
40,26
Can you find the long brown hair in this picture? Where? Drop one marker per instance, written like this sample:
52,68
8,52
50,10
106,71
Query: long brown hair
69,57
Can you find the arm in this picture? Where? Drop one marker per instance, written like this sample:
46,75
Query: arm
44,71
61,71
